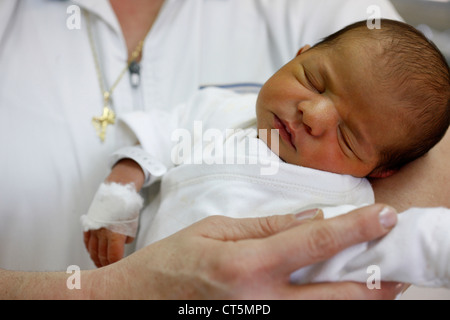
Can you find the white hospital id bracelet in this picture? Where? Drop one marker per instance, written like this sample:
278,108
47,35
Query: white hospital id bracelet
153,168
115,207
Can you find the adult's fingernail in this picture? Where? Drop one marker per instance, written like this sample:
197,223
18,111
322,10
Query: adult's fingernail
308,214
388,217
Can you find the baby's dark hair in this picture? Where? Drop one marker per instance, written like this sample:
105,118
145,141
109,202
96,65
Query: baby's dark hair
413,69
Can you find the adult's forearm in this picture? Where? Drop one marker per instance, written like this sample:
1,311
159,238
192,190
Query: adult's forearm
423,183
40,285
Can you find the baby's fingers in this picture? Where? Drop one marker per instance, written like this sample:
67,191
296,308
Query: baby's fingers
91,243
105,247
116,247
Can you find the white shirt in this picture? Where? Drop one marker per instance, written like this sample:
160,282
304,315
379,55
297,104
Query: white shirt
52,161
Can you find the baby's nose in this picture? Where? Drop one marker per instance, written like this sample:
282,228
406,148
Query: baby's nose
318,116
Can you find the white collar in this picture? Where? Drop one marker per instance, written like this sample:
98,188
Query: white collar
103,9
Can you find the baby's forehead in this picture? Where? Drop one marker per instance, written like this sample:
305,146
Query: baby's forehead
405,81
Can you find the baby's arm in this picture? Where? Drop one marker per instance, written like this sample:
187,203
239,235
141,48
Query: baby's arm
127,171
106,244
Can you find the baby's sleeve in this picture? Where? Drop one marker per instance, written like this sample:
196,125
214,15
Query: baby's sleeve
160,133
152,130
416,251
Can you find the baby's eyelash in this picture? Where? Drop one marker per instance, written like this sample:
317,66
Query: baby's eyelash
309,81
343,138
308,78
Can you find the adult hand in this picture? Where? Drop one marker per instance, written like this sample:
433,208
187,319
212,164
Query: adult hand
223,258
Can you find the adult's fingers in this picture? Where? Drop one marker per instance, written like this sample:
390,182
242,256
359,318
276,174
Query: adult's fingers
317,241
227,229
91,242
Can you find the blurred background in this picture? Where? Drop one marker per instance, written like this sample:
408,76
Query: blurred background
432,17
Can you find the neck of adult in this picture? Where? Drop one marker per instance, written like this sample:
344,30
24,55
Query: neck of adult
136,18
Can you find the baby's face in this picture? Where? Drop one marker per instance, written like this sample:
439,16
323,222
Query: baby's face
330,112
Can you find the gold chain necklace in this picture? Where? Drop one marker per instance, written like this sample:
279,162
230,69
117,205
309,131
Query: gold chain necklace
108,115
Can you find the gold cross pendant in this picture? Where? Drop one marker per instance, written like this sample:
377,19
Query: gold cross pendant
101,123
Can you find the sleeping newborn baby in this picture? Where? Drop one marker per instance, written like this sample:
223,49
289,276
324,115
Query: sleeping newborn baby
361,103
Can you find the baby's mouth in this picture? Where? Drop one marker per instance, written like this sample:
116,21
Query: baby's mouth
285,132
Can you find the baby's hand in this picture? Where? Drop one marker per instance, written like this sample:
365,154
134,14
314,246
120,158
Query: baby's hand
105,246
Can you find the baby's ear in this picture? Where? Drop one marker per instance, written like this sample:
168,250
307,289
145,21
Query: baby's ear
381,173
304,49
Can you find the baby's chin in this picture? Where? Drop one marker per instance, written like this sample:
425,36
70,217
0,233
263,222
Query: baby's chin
295,159
286,156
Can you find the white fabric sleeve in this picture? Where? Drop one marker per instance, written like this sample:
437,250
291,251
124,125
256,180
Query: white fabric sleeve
115,207
153,168
153,130
159,133
416,251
